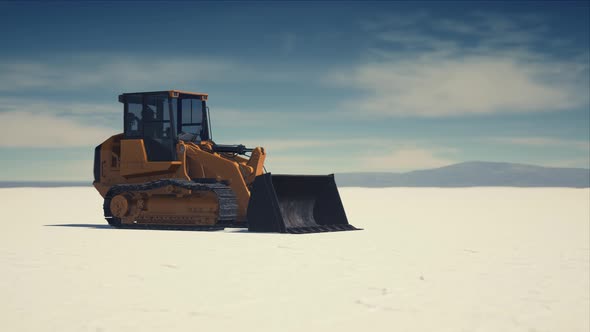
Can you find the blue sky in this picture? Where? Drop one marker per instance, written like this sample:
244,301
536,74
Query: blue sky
324,87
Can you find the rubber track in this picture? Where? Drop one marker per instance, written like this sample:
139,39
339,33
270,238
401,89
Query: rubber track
228,205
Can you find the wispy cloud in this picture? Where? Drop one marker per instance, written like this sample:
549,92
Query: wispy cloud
132,72
125,72
484,65
583,162
344,144
407,159
484,29
80,113
65,107
544,142
353,155
235,117
306,164
38,130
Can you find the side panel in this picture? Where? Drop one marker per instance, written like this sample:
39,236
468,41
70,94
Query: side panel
107,164
118,161
97,163
134,161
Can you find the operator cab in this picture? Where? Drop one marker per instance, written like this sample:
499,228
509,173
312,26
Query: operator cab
162,118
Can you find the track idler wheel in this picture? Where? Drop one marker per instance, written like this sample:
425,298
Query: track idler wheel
124,206
120,205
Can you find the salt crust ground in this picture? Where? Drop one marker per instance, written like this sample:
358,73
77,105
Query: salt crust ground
478,259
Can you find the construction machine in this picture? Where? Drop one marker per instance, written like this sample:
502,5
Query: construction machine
166,172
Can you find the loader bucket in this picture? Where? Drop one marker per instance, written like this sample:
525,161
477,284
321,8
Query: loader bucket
296,204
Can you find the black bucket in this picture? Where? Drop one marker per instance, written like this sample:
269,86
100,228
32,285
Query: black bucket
296,204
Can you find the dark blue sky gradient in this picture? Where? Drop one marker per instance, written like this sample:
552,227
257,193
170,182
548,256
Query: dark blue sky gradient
219,28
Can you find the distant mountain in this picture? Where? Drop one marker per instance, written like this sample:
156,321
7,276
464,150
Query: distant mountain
467,174
473,174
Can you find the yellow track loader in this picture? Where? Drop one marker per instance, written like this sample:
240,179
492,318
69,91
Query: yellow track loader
165,172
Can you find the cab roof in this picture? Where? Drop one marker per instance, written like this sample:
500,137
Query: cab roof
171,94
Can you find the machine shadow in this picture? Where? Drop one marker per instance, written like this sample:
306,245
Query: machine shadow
101,226
228,230
95,226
